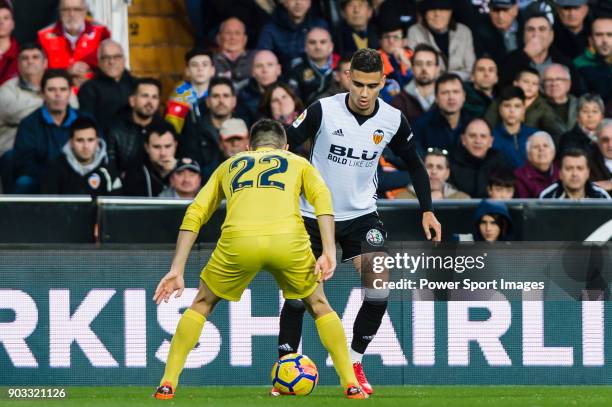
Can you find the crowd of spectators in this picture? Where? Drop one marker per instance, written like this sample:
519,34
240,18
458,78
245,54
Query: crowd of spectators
506,98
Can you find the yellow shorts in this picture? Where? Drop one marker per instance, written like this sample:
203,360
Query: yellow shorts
236,260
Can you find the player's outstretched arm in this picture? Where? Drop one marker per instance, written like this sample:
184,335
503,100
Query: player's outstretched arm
326,263
173,280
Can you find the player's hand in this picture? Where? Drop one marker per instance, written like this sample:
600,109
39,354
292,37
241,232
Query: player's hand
430,222
325,267
171,282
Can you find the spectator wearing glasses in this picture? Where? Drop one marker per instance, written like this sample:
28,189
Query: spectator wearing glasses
108,92
439,171
537,53
557,83
538,113
72,42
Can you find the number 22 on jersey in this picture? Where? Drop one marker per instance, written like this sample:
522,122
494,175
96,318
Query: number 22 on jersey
275,164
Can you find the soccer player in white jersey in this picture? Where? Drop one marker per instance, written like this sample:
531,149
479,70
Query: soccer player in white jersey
349,132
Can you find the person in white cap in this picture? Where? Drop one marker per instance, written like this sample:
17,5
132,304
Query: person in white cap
233,137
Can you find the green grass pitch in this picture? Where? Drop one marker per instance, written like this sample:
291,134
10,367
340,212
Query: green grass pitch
392,396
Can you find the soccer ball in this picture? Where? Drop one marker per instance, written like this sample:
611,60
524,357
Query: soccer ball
295,374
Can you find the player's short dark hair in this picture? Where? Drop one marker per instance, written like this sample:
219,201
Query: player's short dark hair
447,77
344,58
82,123
147,81
160,127
366,60
217,81
194,52
526,69
30,46
52,74
502,177
573,152
511,92
426,48
267,132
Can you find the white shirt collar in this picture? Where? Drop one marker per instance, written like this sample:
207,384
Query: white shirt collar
72,39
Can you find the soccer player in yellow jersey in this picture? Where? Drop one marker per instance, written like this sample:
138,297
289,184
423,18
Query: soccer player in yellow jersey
263,229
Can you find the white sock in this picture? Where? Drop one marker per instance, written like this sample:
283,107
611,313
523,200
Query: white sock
356,356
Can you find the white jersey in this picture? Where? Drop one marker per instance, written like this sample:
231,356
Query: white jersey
346,150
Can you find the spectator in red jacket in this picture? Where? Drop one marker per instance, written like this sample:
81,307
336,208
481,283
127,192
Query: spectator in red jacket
540,169
9,49
72,42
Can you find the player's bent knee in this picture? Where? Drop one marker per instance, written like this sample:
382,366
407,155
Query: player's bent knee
317,305
204,301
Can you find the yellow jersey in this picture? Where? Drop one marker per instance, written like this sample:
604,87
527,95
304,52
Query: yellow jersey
262,189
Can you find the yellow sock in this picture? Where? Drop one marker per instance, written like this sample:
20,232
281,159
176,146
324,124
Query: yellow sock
185,338
332,337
